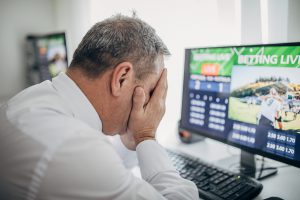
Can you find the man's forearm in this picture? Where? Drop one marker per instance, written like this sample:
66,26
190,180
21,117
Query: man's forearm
157,170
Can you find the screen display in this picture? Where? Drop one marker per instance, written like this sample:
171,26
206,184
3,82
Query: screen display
248,96
52,55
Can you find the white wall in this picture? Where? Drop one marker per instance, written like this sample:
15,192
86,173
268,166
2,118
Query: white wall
229,22
275,14
73,17
278,21
250,22
17,19
293,34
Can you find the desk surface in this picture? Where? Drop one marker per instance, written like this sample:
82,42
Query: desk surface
284,185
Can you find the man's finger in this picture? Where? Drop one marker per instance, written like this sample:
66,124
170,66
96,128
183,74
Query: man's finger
160,91
138,99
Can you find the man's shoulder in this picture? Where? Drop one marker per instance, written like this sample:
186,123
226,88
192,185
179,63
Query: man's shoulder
41,113
37,96
35,103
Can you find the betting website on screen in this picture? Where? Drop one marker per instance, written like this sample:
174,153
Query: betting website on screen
248,96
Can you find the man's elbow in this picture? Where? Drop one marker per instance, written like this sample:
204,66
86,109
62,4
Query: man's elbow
192,190
184,191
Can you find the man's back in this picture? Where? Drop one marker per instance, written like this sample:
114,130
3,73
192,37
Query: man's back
52,147
35,125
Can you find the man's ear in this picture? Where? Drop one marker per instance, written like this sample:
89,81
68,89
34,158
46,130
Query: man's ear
122,75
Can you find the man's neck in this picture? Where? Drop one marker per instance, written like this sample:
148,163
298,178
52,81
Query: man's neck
93,89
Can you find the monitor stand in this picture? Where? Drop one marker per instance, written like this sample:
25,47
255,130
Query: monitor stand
248,165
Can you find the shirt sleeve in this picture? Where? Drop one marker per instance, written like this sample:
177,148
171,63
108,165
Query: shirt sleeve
158,171
89,168
128,157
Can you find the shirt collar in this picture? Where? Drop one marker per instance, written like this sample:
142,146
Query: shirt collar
81,107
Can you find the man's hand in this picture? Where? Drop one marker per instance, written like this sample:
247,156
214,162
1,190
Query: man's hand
144,120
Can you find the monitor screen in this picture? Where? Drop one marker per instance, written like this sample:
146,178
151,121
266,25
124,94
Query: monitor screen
246,96
52,55
48,55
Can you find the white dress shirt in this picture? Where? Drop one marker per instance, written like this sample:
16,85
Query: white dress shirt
52,147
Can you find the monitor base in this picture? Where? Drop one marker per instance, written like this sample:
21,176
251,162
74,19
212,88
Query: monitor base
248,165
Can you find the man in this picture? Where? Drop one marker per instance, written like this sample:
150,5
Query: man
53,142
270,110
268,115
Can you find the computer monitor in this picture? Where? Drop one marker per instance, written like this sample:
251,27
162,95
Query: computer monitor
245,96
46,56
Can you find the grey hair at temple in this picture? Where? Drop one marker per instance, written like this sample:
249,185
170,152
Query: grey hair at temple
118,39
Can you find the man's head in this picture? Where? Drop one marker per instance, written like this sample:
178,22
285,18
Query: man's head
114,57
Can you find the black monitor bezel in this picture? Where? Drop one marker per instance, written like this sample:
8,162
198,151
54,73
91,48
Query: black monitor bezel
206,134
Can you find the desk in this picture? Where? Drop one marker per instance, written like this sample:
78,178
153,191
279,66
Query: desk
285,184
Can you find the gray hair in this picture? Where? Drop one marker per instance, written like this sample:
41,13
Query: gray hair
115,40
